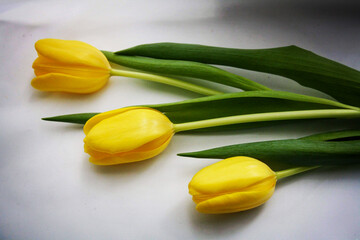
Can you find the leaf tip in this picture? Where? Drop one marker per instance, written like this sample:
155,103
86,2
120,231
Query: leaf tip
47,119
184,154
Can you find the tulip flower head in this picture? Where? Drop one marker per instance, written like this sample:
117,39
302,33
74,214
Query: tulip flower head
77,67
69,66
232,185
126,135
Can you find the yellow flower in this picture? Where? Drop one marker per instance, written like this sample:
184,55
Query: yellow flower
232,185
69,66
126,135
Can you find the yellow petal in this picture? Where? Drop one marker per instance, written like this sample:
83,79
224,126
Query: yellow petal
229,175
142,149
132,156
128,131
235,202
264,184
99,117
71,52
44,65
95,154
66,83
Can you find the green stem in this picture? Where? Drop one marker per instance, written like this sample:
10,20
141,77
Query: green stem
165,80
293,171
272,116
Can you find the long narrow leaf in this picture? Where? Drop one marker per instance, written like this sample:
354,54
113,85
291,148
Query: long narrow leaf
186,69
298,152
224,105
335,136
80,118
303,66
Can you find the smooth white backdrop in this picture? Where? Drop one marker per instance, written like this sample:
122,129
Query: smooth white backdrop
48,189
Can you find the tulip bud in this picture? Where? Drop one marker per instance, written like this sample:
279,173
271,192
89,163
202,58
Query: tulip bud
127,135
232,185
69,66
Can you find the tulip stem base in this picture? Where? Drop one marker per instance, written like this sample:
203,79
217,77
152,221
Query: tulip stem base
293,171
271,116
165,80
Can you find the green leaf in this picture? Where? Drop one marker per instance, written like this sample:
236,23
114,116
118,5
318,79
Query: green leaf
294,152
231,104
335,136
80,118
303,66
185,69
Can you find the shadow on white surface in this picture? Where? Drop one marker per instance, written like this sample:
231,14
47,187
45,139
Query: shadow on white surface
222,225
57,97
122,169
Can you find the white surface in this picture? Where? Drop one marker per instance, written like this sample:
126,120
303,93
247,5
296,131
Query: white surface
48,189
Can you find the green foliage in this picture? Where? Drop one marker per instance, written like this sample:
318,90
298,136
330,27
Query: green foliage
185,69
305,67
335,148
80,118
231,104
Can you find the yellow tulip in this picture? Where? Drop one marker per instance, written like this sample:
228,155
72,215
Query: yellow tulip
126,135
69,66
232,185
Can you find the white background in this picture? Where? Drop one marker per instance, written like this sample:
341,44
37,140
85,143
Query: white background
49,190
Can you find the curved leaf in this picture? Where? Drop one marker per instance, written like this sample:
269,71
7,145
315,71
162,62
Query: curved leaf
231,104
335,136
298,152
80,118
186,69
303,66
